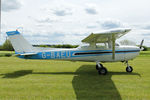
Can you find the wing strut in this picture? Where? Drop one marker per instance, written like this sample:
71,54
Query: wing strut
113,46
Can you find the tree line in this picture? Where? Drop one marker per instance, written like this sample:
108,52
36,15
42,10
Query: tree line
7,46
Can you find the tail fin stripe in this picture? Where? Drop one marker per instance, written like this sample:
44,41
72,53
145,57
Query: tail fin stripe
12,33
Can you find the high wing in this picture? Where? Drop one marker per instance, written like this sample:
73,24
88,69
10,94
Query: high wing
105,36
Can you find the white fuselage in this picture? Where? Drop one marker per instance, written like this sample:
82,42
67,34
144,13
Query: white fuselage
122,53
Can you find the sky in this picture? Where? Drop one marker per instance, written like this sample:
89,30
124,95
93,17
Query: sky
70,21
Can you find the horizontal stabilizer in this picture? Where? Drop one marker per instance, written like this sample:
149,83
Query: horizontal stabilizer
26,54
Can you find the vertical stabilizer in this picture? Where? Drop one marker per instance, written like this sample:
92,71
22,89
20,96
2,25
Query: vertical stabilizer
19,43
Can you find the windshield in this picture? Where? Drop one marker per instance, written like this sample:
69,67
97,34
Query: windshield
116,44
83,46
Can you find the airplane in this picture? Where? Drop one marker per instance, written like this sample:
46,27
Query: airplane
101,48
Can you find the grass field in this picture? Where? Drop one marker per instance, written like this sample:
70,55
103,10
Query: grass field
6,53
64,80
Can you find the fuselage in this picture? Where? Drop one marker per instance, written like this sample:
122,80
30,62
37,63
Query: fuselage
122,53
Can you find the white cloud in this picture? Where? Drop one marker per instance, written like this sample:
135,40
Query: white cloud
145,26
90,26
3,25
62,12
91,9
142,26
2,32
9,5
45,19
111,23
2,37
69,22
137,35
58,8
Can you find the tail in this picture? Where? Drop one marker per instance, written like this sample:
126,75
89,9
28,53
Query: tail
19,43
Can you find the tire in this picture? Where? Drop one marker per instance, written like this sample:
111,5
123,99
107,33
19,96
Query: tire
97,68
129,69
102,71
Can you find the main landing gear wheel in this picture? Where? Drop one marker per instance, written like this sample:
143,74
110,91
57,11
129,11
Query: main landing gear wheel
102,71
97,68
129,69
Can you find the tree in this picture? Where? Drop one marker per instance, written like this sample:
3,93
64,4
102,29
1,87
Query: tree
145,48
127,42
7,45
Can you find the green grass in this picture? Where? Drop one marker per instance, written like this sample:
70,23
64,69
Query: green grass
144,53
64,80
2,52
6,53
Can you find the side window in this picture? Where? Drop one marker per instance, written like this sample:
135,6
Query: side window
102,45
117,44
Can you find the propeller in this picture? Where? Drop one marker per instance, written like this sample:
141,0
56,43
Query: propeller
141,44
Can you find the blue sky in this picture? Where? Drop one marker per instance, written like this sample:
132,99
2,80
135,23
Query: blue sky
70,21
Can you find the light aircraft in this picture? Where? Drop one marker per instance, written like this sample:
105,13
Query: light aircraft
102,48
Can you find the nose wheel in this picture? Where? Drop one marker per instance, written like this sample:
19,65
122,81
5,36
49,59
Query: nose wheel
101,69
128,68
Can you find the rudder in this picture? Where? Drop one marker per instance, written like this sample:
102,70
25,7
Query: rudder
18,42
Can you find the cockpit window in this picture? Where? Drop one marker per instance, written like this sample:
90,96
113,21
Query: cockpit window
84,46
98,45
116,44
101,45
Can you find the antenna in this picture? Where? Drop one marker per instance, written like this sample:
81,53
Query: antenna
20,28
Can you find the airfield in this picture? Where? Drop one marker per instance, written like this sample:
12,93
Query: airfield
65,80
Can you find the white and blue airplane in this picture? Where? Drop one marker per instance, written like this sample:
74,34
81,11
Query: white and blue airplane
102,47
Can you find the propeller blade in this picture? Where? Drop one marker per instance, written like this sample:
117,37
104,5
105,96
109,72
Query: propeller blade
141,44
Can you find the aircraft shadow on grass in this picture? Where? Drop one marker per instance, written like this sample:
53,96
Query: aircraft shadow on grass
17,74
87,84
